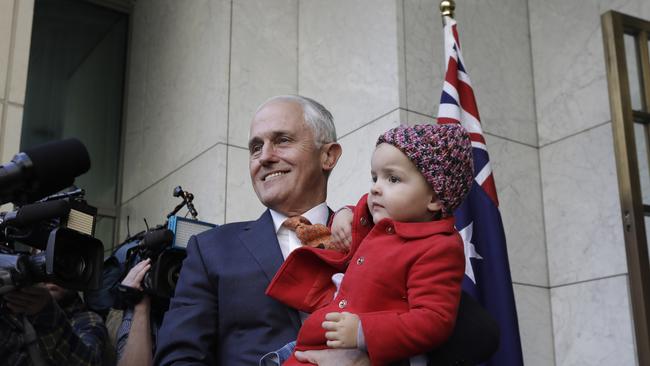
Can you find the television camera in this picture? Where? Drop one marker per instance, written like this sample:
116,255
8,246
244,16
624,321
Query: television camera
165,245
59,225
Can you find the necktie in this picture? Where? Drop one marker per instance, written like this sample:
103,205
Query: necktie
317,236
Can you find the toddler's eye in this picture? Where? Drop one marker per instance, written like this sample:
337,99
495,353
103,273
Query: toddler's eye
374,178
393,179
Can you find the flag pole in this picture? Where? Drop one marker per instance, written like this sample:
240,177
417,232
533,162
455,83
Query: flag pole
447,8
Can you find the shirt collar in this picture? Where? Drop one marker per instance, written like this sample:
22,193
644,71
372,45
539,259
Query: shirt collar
316,215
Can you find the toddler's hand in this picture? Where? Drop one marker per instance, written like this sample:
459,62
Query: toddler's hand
342,329
342,228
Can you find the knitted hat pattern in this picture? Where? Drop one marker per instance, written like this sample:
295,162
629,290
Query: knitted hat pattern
442,153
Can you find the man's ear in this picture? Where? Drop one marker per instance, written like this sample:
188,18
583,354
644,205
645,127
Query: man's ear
330,154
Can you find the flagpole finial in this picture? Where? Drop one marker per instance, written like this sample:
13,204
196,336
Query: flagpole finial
447,8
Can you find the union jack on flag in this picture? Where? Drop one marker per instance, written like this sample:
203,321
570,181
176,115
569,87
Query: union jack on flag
487,272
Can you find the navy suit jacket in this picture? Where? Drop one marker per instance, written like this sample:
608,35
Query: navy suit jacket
220,314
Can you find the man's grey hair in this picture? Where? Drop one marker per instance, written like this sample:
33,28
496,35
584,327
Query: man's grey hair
318,118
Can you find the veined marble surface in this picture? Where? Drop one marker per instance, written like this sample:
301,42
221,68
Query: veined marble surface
351,177
584,233
241,201
592,323
518,182
20,53
178,87
264,59
6,20
569,63
348,58
497,58
535,325
203,176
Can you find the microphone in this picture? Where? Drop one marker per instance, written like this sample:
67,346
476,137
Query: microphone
36,212
158,238
42,170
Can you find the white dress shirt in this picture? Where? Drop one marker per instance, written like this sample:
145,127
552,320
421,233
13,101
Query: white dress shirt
287,238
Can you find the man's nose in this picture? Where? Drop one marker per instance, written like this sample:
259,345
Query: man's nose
267,155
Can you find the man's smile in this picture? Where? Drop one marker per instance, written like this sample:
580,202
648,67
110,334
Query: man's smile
274,174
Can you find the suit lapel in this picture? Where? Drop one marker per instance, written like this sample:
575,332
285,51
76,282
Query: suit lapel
262,243
260,239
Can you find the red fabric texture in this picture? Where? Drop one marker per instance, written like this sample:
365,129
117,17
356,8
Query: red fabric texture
402,279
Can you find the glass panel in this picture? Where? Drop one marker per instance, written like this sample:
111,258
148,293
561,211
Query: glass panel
75,87
633,73
642,157
105,231
646,219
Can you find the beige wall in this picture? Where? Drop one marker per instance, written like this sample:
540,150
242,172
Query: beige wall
15,35
197,73
588,277
199,69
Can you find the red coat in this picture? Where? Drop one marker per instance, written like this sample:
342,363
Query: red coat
403,280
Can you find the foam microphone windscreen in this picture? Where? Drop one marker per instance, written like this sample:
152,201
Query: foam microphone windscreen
158,238
36,212
56,164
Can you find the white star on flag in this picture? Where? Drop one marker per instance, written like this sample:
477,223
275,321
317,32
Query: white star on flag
470,251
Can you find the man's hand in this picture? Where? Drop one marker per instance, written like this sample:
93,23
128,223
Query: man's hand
342,227
28,300
136,274
334,357
342,329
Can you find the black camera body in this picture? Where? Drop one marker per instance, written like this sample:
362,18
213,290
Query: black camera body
69,257
166,247
60,225
156,245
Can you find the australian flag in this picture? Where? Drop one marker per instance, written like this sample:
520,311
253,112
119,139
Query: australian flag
487,273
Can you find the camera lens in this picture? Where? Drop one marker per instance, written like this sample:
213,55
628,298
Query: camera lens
70,266
173,273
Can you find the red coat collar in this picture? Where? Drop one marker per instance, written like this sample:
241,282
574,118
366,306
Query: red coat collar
362,224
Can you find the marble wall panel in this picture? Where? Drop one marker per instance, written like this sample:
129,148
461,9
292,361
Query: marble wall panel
351,177
569,62
204,177
241,201
496,54
11,133
348,58
535,325
518,182
264,59
20,53
415,118
592,323
185,87
6,20
584,233
2,133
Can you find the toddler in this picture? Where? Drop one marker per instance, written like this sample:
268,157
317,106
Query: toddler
399,296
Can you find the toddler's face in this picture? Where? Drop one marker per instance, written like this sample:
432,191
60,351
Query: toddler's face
399,190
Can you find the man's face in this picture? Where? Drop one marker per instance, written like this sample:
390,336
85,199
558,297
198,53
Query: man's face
286,167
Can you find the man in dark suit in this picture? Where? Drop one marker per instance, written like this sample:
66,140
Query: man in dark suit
220,314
